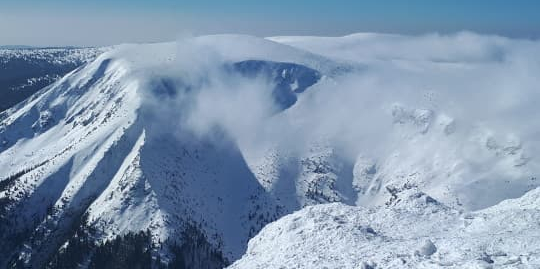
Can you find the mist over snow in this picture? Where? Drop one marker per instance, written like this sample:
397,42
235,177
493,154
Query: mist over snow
205,141
464,104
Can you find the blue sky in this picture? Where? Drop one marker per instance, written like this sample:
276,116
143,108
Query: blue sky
101,22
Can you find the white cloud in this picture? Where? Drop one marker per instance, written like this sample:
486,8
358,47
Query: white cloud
463,104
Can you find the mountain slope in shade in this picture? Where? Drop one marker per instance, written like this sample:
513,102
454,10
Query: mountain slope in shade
25,70
187,149
101,145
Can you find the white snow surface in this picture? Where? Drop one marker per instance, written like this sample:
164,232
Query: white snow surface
55,55
416,232
158,136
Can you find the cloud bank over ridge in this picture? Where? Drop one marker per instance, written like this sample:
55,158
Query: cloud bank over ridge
464,104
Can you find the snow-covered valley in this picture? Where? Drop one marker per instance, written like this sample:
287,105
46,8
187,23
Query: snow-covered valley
363,151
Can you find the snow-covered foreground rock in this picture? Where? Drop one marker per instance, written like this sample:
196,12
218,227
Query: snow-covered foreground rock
186,150
414,232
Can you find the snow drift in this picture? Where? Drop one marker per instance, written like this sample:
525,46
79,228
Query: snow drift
416,232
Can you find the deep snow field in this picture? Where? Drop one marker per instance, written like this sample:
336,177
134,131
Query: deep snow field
362,151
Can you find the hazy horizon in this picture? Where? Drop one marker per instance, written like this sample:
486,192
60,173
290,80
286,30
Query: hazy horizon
75,23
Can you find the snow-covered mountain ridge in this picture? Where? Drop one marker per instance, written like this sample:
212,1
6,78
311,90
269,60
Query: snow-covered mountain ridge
204,141
24,71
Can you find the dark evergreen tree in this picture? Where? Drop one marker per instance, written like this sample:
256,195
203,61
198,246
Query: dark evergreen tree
132,250
196,252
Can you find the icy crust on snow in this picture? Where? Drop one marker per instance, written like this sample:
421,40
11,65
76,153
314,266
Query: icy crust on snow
416,232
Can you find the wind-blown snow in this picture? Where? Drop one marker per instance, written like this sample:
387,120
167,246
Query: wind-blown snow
232,132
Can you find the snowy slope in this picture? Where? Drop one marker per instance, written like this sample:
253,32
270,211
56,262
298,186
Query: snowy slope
416,232
225,134
24,71
101,144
